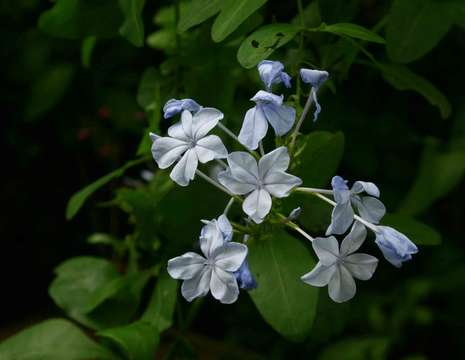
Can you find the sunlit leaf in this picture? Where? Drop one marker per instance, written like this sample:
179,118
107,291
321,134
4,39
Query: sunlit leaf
261,43
233,14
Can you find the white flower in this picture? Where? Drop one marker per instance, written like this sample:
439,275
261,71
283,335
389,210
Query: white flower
212,272
260,181
337,267
269,109
188,139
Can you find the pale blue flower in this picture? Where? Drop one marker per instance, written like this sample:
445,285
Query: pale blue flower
174,106
315,78
395,246
369,208
259,181
243,275
294,214
269,109
272,72
337,267
212,272
188,144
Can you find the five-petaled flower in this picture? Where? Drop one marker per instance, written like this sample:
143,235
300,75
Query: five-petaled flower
315,78
269,109
338,267
259,181
189,139
395,246
369,208
212,272
272,72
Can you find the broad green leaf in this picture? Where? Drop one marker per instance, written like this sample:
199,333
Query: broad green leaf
138,340
197,13
160,310
48,89
317,157
164,39
403,78
74,19
261,43
233,14
419,233
356,349
54,339
92,291
285,302
439,172
79,198
351,30
414,28
133,27
87,48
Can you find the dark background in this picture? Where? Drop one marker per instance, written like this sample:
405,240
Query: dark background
94,125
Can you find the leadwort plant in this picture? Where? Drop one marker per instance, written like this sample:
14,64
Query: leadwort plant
254,181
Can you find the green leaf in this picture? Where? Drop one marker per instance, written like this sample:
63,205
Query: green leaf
79,198
73,19
401,78
285,302
138,340
160,310
233,14
414,28
54,339
356,349
197,13
48,89
92,292
87,48
317,157
439,172
133,26
261,43
419,233
351,30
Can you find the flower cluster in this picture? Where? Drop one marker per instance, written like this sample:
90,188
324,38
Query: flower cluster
255,181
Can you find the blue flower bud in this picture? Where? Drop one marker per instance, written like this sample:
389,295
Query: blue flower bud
395,246
173,107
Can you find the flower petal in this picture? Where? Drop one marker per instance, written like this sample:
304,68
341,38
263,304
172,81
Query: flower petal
184,171
320,275
154,136
315,78
265,97
210,147
257,205
173,107
211,239
232,184
341,287
223,286
225,227
395,246
245,278
369,187
167,150
254,128
354,239
187,124
270,72
341,218
327,250
186,266
230,256
205,120
198,286
369,208
361,266
279,184
280,117
276,160
243,167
